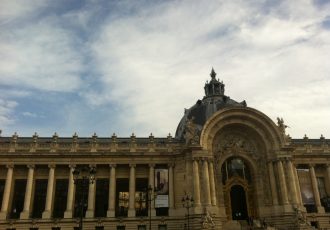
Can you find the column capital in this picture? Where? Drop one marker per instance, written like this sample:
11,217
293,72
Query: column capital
52,166
112,165
31,166
152,165
132,165
171,165
311,165
10,166
72,166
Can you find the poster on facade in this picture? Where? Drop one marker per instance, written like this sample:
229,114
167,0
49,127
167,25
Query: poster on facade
306,186
161,183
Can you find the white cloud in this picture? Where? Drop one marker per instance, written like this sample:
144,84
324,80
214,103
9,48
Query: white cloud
6,110
40,56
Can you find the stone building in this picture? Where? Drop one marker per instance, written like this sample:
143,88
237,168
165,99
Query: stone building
236,164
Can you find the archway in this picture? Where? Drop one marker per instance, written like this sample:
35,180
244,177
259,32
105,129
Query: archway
238,203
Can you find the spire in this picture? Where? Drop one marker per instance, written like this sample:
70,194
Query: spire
214,87
213,74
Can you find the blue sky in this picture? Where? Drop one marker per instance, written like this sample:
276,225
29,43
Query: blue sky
133,66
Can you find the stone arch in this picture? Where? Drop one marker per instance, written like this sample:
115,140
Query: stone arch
251,120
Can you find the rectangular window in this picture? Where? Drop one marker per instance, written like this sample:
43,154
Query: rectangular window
81,197
122,196
102,197
321,186
142,227
99,228
56,228
18,198
162,227
60,197
2,188
141,204
306,189
39,197
120,227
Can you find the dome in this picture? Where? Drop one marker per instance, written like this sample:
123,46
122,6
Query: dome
213,101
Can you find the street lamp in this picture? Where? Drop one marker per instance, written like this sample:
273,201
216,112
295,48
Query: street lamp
151,196
187,202
83,176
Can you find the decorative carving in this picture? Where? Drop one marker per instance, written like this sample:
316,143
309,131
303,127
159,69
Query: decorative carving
207,221
281,126
191,132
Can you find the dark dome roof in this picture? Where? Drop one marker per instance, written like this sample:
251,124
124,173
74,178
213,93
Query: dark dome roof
213,101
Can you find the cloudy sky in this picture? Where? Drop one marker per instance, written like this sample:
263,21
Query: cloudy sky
133,66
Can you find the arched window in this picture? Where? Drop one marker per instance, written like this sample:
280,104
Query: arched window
235,166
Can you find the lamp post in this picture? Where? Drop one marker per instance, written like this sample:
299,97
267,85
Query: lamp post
187,202
151,196
83,176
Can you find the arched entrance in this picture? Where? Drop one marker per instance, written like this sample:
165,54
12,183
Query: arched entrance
238,189
238,203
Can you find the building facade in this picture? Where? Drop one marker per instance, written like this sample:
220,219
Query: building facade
231,163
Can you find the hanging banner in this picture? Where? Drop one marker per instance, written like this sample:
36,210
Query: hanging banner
307,194
161,183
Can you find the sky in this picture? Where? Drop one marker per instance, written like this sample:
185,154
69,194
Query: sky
133,66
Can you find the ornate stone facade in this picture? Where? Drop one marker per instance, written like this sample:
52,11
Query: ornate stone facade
238,165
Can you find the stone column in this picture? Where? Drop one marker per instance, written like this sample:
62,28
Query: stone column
281,177
112,192
292,182
171,187
297,186
272,183
47,214
131,207
91,200
206,179
319,207
196,184
328,172
212,184
69,203
6,193
152,184
25,214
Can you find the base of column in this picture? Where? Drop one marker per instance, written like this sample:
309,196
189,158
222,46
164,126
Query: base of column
320,209
111,213
198,210
89,214
68,214
3,215
131,213
46,215
153,212
24,215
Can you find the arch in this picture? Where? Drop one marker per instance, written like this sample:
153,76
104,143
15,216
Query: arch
251,119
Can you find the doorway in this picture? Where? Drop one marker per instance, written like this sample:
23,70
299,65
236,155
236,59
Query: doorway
238,203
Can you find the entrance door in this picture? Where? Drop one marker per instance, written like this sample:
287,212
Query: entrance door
238,203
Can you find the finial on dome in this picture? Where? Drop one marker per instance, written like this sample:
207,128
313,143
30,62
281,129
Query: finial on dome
213,73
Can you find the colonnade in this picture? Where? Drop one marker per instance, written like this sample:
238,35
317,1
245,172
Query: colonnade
207,182
47,213
288,181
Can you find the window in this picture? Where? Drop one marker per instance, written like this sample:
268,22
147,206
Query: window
235,167
122,196
142,227
162,227
56,228
33,228
81,197
18,198
2,188
321,186
60,197
120,227
102,197
141,197
99,228
39,198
